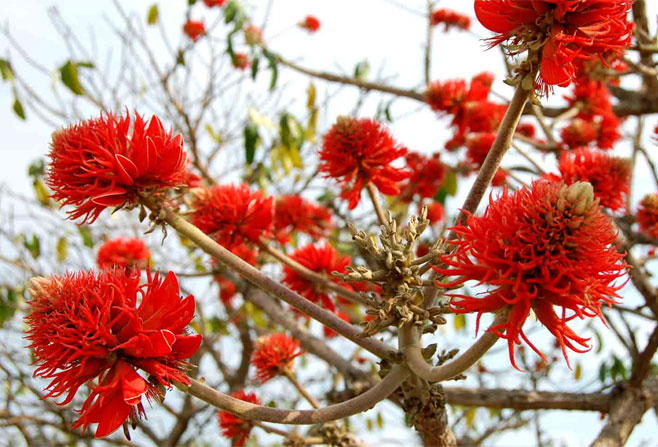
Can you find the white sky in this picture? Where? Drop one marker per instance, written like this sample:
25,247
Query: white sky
351,31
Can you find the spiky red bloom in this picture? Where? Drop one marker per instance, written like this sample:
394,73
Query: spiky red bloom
478,146
427,174
292,214
359,151
273,355
109,161
310,23
500,178
241,61
539,247
233,427
579,133
450,19
610,176
570,31
211,3
232,214
87,325
323,259
123,252
194,29
647,215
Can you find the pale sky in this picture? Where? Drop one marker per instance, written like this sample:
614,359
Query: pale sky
387,35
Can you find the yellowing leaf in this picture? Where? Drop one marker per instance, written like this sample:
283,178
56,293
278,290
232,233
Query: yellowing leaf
460,322
62,249
578,372
153,14
312,126
470,416
41,193
310,101
260,119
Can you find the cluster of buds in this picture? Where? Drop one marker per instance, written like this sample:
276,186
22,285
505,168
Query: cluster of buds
400,275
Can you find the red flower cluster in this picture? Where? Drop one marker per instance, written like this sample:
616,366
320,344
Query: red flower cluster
211,3
274,355
310,23
609,176
124,252
544,246
450,19
99,163
85,326
252,35
359,151
596,121
474,117
232,214
427,174
233,427
241,61
647,215
569,32
194,29
294,214
323,259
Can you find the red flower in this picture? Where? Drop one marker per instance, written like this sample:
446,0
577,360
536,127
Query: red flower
211,3
427,174
233,427
526,129
241,61
435,212
274,355
500,178
579,133
539,247
252,35
330,333
323,259
310,23
358,151
84,326
100,163
232,214
292,214
609,176
446,96
123,252
450,19
194,29
570,31
478,146
647,215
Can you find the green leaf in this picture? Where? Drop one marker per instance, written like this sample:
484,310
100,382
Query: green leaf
251,141
274,67
254,67
8,305
603,372
6,71
180,58
310,98
32,245
87,239
361,70
69,75
230,11
85,64
18,109
36,169
153,14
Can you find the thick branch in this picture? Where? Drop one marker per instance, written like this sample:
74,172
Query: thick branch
410,346
246,410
